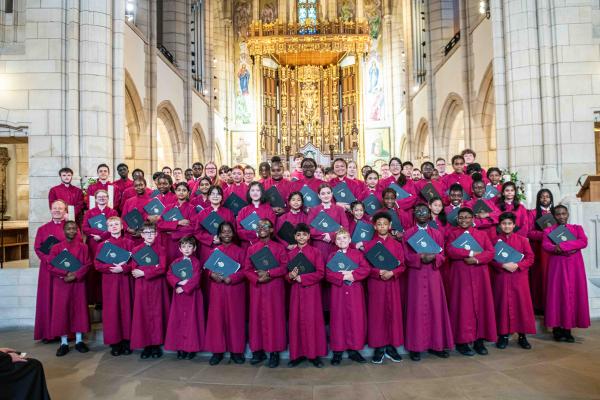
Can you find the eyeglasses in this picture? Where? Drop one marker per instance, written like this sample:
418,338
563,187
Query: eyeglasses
148,232
210,168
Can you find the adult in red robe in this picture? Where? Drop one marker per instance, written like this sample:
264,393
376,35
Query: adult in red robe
395,167
267,327
138,202
104,183
150,298
427,319
72,195
123,182
172,231
384,313
471,302
567,304
512,300
340,169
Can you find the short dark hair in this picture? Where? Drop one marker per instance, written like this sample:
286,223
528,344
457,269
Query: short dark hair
137,170
224,224
382,214
122,165
465,209
475,167
456,188
65,170
468,151
102,165
148,225
302,227
184,184
263,198
458,157
187,240
507,215
197,163
561,207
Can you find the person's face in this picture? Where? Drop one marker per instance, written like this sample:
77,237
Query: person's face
478,189
298,163
385,171
226,235
229,177
509,193
255,193
441,166
70,231
562,216
264,171
389,200
339,168
181,192
301,238
123,171
237,175
352,170
276,172
407,170
395,168
455,197
422,215
358,211
149,235
114,227
469,158
187,249
296,202
66,177
494,177
372,181
435,175
325,195
101,198
458,166
330,176
416,175
248,175
264,229
189,175
427,171
308,169
178,175
163,185
382,226
319,173
166,171
507,226
139,187
223,176
287,175
204,186
197,171
436,207
465,220
545,199
210,170
342,241
103,173
215,197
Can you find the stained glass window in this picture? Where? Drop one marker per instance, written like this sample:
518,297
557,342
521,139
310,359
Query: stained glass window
307,16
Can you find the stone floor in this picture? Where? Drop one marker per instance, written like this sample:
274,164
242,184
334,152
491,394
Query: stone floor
549,371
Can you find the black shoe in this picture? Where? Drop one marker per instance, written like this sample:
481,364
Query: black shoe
392,354
62,350
557,334
115,350
125,349
378,355
179,354
258,357
274,360
296,362
502,341
438,353
479,347
238,358
191,355
337,358
157,352
415,355
146,353
567,335
81,347
356,357
465,350
215,359
523,342
317,362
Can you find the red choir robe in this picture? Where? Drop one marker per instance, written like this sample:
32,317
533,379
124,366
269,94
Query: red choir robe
69,303
136,202
296,175
384,183
439,187
487,225
104,186
306,323
471,302
512,300
521,214
292,218
43,307
185,330
463,180
205,239
266,327
129,193
150,301
70,194
94,278
538,273
405,217
353,185
408,203
123,184
249,237
171,231
384,299
313,183
348,316
498,187
567,297
427,318
168,199
366,192
284,187
200,200
116,297
226,320
240,189
338,214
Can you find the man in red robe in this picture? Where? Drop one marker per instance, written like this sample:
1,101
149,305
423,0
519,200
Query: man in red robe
72,195
123,182
103,182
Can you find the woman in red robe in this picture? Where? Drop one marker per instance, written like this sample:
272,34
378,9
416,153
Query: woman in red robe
150,297
185,329
116,294
348,317
165,194
200,196
306,323
538,273
384,314
267,299
508,202
294,216
172,231
69,302
226,321
371,186
257,203
514,311
567,304
471,302
395,165
427,320
137,202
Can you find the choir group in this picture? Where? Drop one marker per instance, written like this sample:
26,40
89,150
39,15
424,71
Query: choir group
210,259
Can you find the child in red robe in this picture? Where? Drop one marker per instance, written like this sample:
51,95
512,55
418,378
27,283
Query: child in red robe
172,231
257,203
137,202
509,202
294,216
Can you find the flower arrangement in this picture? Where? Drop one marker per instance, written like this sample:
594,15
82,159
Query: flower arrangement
86,183
510,176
